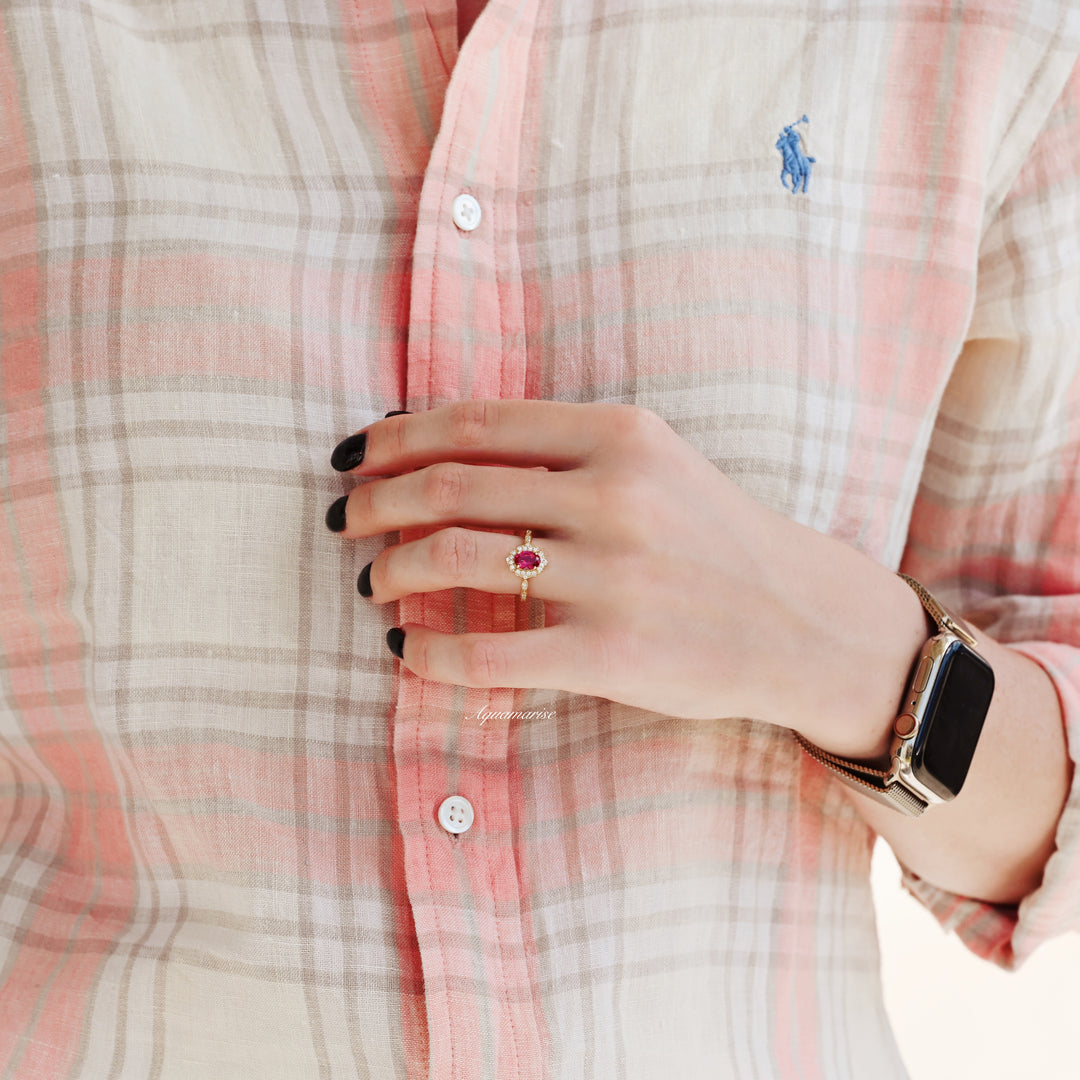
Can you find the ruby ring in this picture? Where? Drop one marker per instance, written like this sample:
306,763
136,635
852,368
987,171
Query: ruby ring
526,561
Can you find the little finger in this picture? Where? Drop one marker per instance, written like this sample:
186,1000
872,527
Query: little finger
548,658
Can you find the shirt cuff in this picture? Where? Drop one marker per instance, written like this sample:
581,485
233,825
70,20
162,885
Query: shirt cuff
1007,934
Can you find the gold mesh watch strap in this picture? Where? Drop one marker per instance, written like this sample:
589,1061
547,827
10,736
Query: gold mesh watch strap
867,779
943,619
870,779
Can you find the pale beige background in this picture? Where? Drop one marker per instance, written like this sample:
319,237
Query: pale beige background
972,1020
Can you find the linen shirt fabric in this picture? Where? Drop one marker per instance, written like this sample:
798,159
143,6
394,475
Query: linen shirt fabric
226,242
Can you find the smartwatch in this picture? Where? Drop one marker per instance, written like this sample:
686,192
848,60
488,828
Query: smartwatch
940,719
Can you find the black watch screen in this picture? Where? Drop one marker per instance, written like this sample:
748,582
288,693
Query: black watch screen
953,721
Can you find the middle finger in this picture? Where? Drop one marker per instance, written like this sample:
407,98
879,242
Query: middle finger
452,493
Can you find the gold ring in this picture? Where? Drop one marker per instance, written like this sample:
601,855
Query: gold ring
526,561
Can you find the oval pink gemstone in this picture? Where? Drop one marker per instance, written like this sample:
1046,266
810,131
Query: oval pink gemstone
526,560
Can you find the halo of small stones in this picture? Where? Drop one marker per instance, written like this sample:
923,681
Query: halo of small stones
512,557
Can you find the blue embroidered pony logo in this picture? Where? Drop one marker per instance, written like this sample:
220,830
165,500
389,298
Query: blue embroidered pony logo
796,163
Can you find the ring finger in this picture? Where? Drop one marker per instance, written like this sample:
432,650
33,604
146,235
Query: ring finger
465,558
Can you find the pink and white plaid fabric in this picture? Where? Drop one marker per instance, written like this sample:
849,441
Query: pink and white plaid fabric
226,242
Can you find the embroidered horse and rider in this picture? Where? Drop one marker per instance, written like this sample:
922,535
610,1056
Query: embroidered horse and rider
796,163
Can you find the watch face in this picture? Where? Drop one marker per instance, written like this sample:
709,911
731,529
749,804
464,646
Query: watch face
953,720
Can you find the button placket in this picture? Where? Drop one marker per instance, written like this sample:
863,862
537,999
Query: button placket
467,323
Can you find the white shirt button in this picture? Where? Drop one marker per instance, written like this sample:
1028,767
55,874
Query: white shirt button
456,814
466,212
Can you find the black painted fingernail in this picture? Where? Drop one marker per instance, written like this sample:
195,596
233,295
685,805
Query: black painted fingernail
335,516
397,412
395,638
349,452
363,582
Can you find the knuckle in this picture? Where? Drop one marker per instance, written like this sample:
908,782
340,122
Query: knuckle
635,577
454,554
623,564
397,446
382,578
483,663
618,501
598,651
469,423
444,487
419,657
376,579
363,498
633,423
611,655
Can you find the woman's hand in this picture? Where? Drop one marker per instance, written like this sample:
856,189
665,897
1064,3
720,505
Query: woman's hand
667,587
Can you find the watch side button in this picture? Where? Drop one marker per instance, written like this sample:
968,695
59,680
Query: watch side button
919,684
904,725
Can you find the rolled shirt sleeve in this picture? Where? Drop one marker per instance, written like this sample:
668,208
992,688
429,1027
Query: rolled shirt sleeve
1007,934
996,525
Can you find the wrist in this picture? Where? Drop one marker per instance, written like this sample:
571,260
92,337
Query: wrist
851,631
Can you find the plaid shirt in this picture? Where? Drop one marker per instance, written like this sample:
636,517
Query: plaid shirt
227,241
